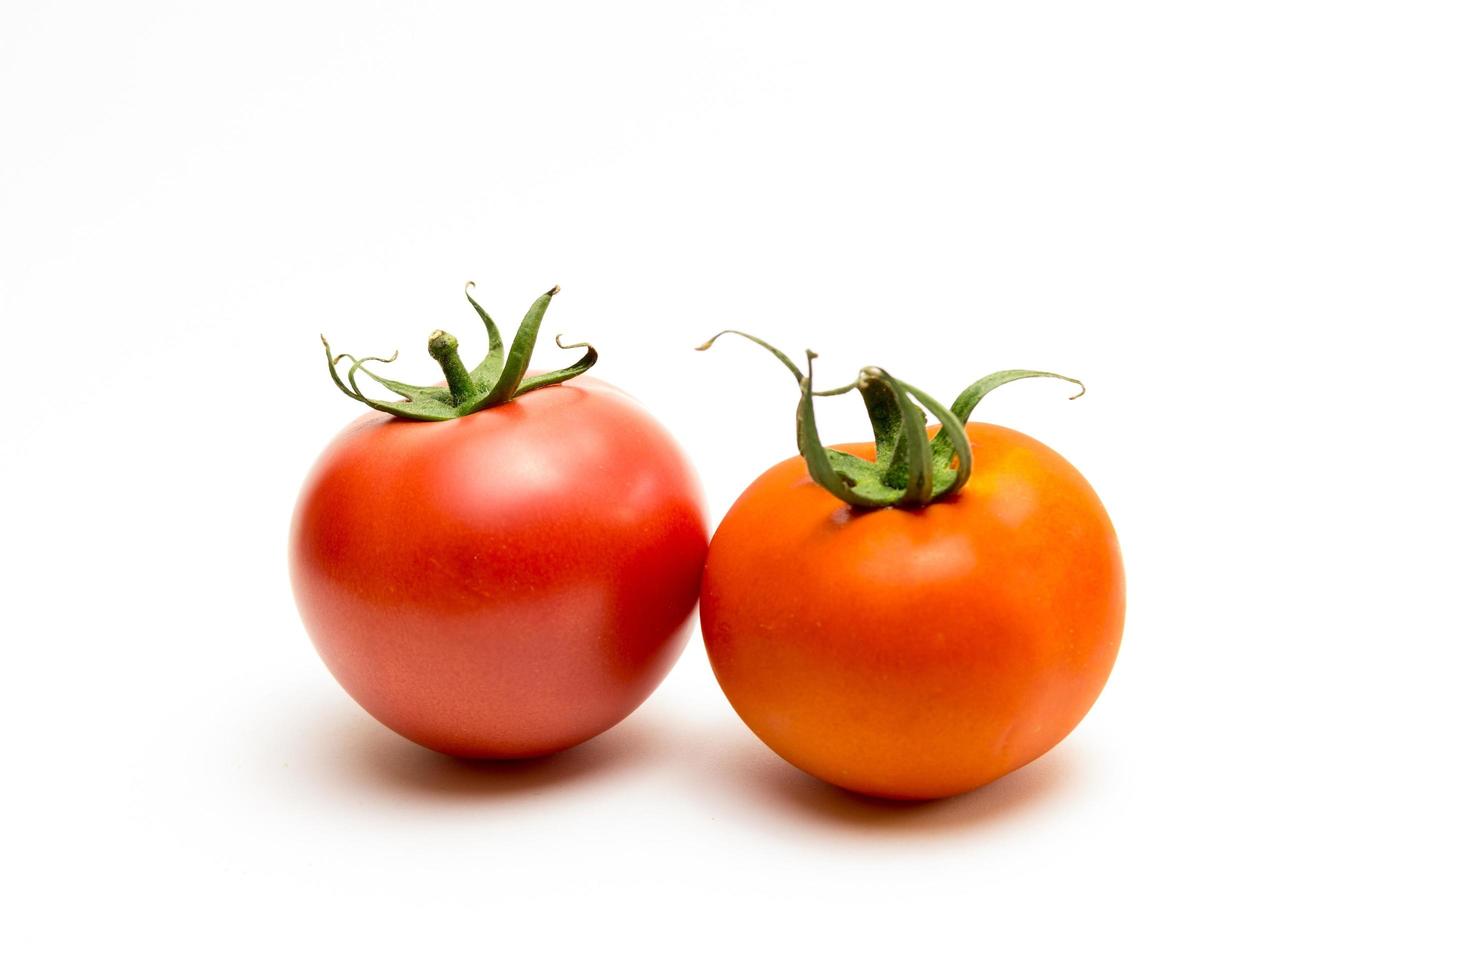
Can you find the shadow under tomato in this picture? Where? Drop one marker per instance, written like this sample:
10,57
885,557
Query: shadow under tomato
1027,788
779,787
374,758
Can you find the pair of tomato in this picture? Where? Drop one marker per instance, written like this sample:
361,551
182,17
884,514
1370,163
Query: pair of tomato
508,564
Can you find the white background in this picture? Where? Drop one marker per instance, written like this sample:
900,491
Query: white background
1243,224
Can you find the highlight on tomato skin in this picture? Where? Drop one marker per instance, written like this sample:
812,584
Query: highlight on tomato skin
503,566
912,635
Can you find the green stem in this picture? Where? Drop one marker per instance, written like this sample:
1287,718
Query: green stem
912,466
818,464
444,348
910,469
498,378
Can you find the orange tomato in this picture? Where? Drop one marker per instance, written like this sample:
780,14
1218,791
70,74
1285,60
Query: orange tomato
916,653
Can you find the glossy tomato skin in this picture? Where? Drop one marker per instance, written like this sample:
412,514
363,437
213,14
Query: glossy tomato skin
507,584
916,654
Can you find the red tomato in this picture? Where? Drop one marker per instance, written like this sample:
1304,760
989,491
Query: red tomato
916,653
507,583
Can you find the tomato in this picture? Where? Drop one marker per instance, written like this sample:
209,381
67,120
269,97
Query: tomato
916,652
505,583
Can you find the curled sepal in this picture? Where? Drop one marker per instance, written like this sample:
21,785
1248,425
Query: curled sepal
886,417
920,468
420,404
562,374
519,357
498,377
788,362
949,452
850,479
910,469
488,369
898,424
970,397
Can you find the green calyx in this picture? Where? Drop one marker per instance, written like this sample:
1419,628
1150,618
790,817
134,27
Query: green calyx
498,378
910,469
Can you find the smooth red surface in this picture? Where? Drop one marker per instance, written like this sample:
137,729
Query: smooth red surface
506,584
916,654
